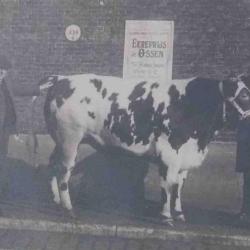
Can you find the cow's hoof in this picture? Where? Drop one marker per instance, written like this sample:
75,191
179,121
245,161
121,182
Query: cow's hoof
167,220
57,200
180,217
72,214
69,213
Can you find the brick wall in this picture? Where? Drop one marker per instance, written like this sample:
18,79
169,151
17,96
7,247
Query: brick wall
211,38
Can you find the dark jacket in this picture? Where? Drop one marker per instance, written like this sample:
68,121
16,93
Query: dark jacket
243,146
7,113
8,117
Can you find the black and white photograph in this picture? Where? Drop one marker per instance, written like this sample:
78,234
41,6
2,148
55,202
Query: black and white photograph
124,124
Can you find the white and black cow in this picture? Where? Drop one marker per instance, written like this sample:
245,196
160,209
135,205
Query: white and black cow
172,123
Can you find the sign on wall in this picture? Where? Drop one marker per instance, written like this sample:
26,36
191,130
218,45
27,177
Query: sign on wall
148,50
73,32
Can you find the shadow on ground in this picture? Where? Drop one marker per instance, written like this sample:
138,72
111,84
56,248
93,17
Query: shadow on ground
23,182
99,183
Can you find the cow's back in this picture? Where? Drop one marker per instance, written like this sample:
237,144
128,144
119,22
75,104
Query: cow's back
113,110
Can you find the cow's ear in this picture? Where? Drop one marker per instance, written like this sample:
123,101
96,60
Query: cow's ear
231,75
229,87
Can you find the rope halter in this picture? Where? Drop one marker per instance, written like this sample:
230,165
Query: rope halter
241,85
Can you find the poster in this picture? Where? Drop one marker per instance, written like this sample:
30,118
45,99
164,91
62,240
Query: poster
148,50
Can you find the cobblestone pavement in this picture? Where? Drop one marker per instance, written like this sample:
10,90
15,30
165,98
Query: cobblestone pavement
34,240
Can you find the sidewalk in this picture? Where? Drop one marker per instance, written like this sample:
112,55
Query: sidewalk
33,240
104,227
41,234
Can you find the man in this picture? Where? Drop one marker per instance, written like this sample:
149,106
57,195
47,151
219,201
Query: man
7,109
242,99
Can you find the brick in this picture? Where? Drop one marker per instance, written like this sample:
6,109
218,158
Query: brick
211,38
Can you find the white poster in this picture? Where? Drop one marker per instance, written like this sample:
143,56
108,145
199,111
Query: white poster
148,50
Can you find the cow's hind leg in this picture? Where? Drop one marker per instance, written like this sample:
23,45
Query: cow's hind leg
70,141
177,197
54,157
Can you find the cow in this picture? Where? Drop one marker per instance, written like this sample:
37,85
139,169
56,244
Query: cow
171,123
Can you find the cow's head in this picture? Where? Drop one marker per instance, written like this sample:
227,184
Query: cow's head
236,91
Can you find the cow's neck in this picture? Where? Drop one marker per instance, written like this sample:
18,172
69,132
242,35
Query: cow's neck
195,114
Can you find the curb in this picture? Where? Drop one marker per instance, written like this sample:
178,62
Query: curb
129,232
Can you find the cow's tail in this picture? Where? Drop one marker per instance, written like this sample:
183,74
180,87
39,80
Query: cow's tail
33,142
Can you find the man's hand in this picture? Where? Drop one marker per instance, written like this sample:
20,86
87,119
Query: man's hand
45,86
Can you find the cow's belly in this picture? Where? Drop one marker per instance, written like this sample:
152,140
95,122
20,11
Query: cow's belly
106,139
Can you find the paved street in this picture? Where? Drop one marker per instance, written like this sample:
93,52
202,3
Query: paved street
106,195
30,240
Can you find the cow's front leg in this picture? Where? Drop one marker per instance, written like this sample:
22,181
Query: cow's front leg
54,189
178,206
166,192
168,182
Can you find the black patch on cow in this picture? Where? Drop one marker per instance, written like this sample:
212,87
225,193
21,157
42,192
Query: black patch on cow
159,118
137,92
197,114
64,186
174,94
86,99
175,192
104,93
154,85
63,91
141,111
163,196
59,101
97,83
113,97
91,114
147,120
59,91
120,120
